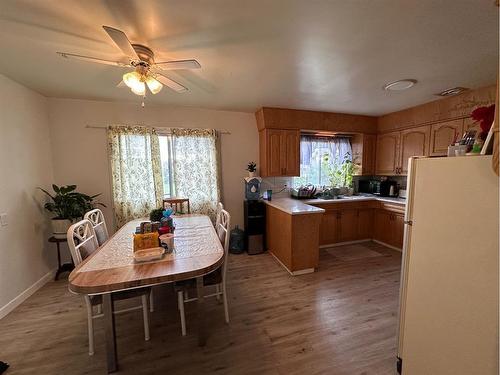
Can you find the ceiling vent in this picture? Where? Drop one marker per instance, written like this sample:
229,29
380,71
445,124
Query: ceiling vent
453,91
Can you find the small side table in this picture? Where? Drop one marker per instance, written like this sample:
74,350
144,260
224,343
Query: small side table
66,267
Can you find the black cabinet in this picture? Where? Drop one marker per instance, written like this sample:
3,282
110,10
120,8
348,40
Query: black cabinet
255,226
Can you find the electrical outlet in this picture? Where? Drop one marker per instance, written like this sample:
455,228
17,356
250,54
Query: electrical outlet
3,220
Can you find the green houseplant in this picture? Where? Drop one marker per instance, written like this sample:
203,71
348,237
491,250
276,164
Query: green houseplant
67,205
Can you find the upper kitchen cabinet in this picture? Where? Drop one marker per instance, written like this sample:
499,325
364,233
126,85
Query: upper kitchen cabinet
284,118
279,152
443,134
414,142
364,153
387,161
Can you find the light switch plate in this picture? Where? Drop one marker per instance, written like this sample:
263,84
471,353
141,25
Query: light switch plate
3,220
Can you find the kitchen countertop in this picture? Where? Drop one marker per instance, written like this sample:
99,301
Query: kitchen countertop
294,206
304,206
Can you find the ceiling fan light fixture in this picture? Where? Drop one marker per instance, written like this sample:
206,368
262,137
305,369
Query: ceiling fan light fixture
153,85
139,89
134,81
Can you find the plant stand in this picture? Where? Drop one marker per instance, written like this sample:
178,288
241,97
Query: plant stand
61,268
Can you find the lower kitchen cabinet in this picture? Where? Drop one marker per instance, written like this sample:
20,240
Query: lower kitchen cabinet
328,230
345,222
389,227
348,225
365,223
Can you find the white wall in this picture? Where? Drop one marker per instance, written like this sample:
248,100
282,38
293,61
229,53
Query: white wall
25,164
80,154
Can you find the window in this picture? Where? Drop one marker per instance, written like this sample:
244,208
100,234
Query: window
325,161
166,156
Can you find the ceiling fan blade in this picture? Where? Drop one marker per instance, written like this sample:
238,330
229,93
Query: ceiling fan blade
122,42
93,59
178,64
171,83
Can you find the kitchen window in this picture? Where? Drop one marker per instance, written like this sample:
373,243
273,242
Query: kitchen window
166,156
324,161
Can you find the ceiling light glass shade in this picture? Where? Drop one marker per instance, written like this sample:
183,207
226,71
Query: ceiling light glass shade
139,89
153,85
133,80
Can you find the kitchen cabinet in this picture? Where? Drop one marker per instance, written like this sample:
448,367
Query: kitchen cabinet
365,223
364,153
355,221
443,134
387,161
328,230
348,225
389,227
279,152
394,149
414,142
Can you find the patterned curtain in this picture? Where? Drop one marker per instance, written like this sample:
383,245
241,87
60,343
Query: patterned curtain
136,171
195,169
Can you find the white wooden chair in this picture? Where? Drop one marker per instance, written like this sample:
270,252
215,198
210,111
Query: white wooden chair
82,242
96,217
218,212
215,279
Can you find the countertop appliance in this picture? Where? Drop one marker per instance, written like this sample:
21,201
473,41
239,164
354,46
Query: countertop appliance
369,186
388,188
448,318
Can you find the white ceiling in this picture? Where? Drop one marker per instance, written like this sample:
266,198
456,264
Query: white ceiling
332,55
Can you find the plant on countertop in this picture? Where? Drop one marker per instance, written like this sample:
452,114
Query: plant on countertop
156,214
340,173
252,166
68,204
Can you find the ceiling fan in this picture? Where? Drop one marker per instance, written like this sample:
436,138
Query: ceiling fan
146,72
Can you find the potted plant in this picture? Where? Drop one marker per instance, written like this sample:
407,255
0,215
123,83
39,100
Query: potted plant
251,168
68,205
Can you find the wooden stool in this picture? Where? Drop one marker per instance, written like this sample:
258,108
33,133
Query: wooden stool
61,268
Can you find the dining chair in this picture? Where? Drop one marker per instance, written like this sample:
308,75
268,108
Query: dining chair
215,279
177,204
218,211
82,242
96,217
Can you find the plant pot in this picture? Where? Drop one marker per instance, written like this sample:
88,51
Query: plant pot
251,174
350,191
60,227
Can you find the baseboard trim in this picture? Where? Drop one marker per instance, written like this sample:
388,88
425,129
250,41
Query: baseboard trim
387,245
293,273
345,243
6,309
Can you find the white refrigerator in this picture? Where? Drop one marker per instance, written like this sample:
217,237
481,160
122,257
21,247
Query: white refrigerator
448,317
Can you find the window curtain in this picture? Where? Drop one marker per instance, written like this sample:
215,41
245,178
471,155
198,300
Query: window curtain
135,170
312,151
196,168
338,148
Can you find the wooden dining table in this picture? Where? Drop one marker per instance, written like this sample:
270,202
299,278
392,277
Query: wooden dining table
111,268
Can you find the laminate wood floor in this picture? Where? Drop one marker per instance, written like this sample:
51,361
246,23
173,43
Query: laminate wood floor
339,320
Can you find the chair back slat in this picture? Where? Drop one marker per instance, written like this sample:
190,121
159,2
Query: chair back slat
82,240
218,211
177,204
223,234
96,217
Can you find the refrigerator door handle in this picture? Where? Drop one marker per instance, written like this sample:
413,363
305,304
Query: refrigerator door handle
408,222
